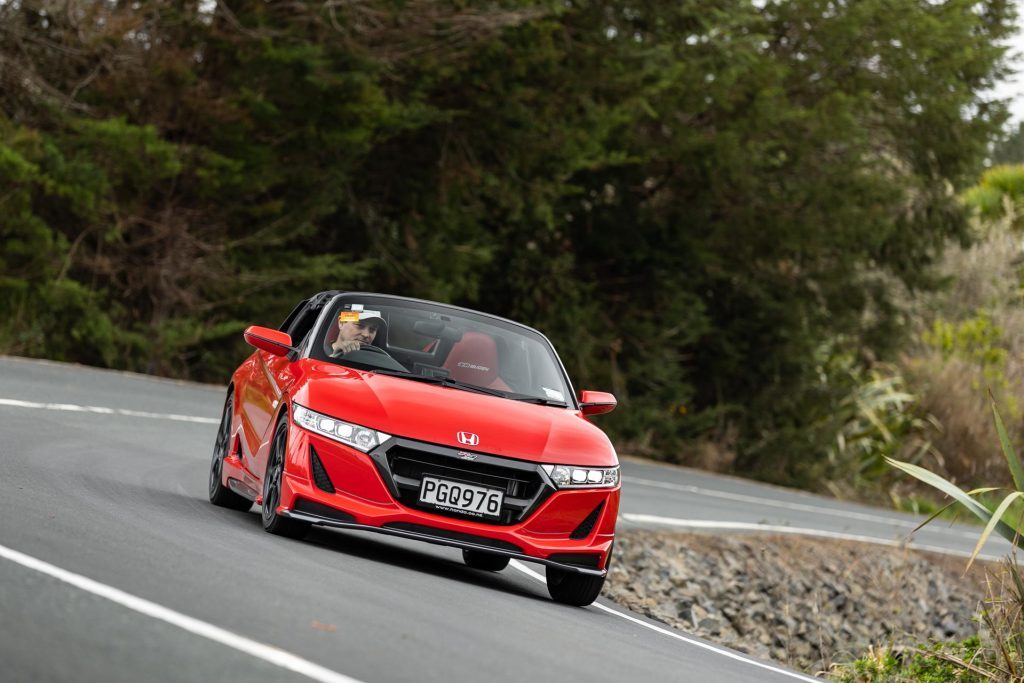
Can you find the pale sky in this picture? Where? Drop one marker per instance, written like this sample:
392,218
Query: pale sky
1014,86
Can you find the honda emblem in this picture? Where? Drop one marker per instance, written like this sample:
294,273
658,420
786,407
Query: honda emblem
468,438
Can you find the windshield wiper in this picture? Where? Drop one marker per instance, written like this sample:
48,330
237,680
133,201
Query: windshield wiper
441,381
449,382
539,400
404,373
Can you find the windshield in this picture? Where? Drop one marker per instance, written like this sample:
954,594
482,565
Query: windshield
433,343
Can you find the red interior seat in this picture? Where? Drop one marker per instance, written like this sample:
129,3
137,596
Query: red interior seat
474,359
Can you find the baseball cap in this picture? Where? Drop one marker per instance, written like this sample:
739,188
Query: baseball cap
362,316
372,316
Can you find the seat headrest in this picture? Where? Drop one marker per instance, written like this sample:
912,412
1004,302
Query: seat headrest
474,359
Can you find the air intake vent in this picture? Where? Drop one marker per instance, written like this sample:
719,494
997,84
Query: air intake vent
323,482
587,525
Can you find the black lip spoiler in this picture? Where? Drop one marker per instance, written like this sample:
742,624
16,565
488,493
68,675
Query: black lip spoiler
438,540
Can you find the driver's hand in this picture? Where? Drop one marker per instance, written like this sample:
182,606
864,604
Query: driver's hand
346,346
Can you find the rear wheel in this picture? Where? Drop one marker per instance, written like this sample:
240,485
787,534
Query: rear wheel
571,588
219,494
272,478
487,561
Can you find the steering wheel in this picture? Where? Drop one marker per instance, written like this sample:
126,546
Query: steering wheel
363,346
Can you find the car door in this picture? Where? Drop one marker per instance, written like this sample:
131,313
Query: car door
270,381
258,399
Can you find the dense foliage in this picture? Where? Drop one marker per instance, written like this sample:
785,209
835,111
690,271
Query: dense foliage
691,198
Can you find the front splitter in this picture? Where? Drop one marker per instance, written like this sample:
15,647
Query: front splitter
438,540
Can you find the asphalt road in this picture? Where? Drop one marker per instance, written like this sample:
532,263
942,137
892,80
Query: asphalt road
674,497
114,567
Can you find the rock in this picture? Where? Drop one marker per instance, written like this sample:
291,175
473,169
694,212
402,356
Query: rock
710,625
793,599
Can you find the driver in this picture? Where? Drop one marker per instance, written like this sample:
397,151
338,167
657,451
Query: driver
356,328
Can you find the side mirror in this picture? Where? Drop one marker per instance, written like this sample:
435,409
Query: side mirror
271,341
597,402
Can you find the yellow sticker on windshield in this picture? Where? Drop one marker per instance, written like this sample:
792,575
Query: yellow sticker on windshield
348,317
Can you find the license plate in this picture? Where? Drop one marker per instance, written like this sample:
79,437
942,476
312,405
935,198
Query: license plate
467,499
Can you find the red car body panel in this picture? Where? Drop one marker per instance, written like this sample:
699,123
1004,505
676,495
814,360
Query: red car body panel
265,385
436,414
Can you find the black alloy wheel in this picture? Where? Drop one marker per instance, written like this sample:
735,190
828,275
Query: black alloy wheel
273,522
478,559
219,494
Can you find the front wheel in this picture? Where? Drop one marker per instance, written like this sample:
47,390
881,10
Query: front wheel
272,479
571,588
219,494
486,561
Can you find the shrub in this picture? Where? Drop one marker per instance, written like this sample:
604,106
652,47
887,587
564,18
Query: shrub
935,664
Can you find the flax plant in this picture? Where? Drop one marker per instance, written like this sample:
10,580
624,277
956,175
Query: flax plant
1002,612
992,517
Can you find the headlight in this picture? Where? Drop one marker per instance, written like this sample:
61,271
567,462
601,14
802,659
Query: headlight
572,477
357,437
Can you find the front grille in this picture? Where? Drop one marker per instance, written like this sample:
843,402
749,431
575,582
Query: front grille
406,463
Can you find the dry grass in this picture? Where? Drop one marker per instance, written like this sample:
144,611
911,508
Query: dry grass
983,275
966,446
714,453
1003,619
953,388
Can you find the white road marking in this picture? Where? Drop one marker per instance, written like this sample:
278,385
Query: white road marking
71,407
267,653
802,507
316,672
679,636
797,531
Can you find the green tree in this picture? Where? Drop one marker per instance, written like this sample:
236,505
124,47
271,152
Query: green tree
1009,148
691,198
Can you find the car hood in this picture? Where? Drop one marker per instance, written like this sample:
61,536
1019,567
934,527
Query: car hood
436,414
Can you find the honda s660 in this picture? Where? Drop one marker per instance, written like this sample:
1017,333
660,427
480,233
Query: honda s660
423,421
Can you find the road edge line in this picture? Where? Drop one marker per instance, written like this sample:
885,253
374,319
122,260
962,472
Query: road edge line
782,504
679,636
795,531
267,653
101,410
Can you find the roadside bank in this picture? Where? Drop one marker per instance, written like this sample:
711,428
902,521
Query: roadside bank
804,602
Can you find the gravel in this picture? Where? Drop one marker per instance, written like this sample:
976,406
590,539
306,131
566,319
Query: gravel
805,602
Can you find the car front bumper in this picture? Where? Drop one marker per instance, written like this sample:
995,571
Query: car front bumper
570,529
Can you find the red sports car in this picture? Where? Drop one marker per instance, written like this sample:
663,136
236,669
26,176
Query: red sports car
423,421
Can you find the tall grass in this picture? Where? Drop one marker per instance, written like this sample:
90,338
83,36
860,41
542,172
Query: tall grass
1000,656
969,337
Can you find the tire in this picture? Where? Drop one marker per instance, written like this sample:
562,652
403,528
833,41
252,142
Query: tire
571,588
273,522
478,559
219,494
